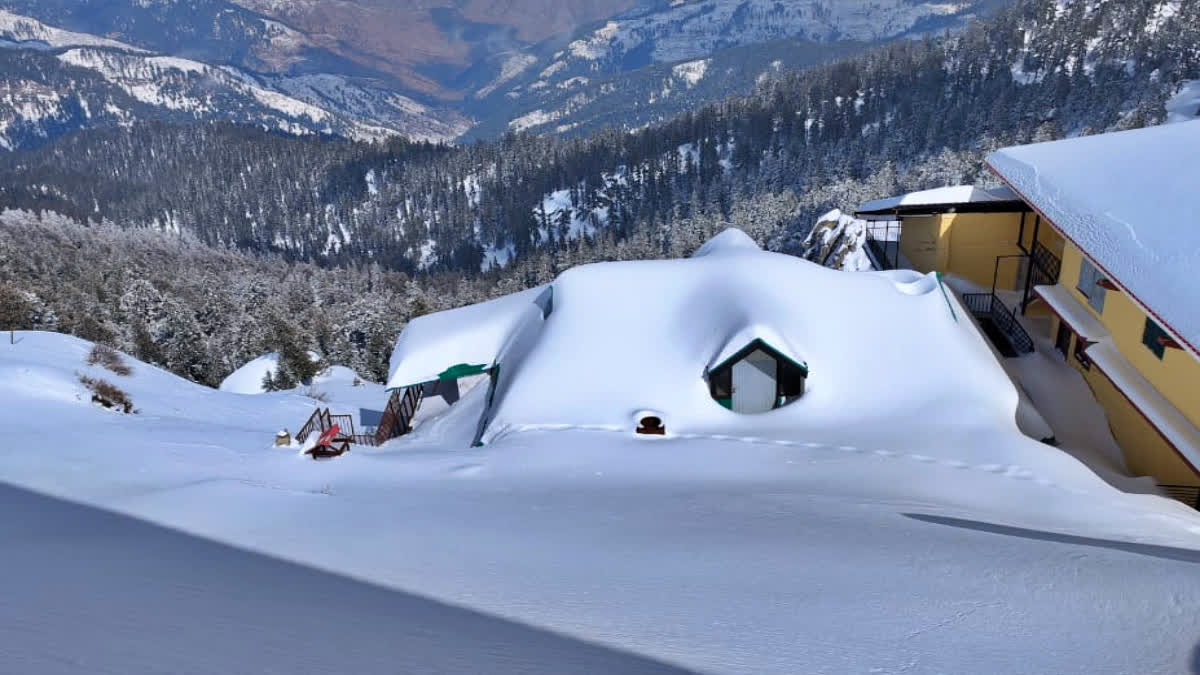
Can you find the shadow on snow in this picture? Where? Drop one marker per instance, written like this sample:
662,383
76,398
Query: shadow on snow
1164,552
89,591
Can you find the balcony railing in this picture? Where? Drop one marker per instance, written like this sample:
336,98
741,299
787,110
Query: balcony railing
1045,262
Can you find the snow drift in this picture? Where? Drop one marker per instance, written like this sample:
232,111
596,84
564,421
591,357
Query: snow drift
626,338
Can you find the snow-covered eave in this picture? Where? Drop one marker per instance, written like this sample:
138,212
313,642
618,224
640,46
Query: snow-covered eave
917,210
1171,424
450,372
1067,308
465,341
951,199
747,339
1163,323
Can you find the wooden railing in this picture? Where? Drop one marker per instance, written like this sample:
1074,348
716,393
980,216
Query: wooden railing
318,422
396,421
399,413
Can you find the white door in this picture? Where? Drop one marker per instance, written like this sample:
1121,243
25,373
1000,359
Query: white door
754,383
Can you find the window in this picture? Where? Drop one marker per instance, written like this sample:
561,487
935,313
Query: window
1155,338
1089,284
756,379
720,385
1080,356
1062,342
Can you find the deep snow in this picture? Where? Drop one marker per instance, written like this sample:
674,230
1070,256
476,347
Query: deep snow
931,538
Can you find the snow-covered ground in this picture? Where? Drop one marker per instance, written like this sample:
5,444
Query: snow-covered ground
950,545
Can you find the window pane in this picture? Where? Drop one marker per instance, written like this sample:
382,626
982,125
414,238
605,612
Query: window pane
1089,285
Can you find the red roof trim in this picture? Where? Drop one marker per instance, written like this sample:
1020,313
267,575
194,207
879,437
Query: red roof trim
1192,348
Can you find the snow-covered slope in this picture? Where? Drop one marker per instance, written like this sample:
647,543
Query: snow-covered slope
664,57
248,379
18,30
687,30
270,86
915,530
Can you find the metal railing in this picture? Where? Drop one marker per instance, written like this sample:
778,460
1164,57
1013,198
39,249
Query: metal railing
1045,263
987,305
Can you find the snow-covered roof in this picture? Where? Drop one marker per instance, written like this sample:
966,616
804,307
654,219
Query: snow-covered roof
732,240
627,339
463,341
941,199
762,332
1130,201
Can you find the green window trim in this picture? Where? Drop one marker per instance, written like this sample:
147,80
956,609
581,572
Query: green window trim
1155,338
750,347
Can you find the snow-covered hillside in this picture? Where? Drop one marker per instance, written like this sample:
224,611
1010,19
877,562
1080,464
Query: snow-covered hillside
18,30
662,58
687,30
47,94
898,523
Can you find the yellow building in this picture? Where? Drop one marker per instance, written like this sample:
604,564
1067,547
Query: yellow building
970,233
1108,247
1127,300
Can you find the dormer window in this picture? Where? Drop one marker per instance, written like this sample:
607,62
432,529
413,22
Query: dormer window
756,379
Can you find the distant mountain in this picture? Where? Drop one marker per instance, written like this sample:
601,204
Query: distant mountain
468,221
84,63
433,70
904,116
631,100
434,46
659,59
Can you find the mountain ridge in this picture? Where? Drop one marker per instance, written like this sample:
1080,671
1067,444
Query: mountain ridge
351,87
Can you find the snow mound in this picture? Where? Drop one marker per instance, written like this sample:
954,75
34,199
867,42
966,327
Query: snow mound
249,378
628,337
732,240
1184,106
475,336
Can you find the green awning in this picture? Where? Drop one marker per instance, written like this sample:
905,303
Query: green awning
462,370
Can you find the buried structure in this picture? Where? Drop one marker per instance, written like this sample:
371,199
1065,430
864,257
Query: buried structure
719,344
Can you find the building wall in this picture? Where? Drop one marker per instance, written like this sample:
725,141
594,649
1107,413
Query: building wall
1176,376
976,240
921,243
965,245
1047,235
